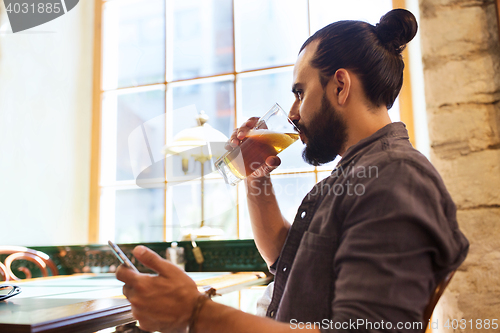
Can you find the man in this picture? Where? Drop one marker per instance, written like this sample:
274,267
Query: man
368,244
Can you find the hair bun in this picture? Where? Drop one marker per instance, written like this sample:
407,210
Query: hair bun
396,29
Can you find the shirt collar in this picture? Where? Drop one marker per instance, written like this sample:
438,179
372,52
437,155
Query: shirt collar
397,129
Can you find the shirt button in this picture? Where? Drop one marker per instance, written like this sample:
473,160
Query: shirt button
271,314
284,269
303,214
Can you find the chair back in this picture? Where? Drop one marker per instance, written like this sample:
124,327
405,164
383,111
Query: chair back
435,297
41,260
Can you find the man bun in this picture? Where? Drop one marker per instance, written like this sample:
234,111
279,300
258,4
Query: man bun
371,52
396,29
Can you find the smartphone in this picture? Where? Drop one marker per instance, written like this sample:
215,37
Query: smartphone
121,256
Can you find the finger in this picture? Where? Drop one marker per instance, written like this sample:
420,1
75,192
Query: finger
152,260
125,274
246,127
228,145
272,162
241,132
250,123
233,140
127,290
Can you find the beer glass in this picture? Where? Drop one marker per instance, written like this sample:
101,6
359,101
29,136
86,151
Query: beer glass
271,135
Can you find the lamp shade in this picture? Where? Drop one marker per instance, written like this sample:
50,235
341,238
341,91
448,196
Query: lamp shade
202,135
202,142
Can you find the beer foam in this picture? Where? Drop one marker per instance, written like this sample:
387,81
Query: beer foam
266,132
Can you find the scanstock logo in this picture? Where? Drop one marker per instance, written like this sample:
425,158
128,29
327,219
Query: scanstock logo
26,14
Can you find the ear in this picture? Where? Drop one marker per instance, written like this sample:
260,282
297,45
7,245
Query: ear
342,84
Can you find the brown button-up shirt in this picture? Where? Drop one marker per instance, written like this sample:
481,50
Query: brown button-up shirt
369,243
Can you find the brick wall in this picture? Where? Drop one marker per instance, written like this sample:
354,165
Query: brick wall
461,57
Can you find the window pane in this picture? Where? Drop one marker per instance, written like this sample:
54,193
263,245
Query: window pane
324,12
124,117
329,166
394,112
219,208
215,98
250,297
269,33
132,215
133,43
322,175
202,38
257,93
290,191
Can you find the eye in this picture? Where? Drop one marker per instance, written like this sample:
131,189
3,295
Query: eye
300,95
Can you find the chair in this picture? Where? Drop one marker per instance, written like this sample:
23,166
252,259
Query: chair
429,309
40,259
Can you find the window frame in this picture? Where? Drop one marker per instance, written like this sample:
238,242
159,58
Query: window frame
405,98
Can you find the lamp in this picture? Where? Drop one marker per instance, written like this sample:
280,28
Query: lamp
202,142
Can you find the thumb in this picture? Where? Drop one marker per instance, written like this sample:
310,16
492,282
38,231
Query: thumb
272,162
152,260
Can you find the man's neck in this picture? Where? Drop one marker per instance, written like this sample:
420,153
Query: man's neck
364,123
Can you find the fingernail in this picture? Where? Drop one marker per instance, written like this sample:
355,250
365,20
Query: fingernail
234,142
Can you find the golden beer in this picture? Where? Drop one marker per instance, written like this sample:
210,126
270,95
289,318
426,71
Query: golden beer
272,133
255,149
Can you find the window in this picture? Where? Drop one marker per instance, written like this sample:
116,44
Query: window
162,61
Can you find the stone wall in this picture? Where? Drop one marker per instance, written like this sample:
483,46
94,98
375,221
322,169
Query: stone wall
461,57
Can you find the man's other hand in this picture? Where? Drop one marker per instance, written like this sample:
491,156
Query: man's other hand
237,137
162,302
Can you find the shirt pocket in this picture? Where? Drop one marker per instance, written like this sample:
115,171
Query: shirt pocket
309,290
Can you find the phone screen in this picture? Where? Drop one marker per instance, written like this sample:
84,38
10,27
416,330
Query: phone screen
121,256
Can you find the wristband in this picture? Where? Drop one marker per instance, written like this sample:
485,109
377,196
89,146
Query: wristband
202,298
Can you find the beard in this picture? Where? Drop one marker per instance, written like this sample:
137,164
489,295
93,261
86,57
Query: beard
326,135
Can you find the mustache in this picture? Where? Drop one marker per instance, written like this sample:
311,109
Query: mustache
299,126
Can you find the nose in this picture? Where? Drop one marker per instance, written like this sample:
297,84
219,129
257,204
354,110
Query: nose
294,112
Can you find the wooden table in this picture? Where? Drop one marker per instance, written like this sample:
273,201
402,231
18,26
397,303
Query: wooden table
89,302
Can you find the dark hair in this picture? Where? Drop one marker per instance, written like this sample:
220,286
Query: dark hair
371,52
